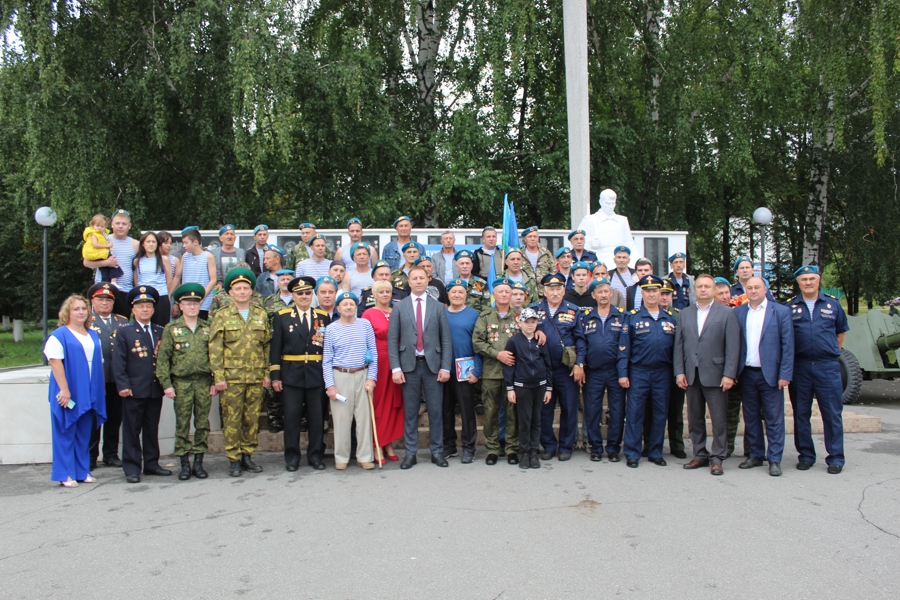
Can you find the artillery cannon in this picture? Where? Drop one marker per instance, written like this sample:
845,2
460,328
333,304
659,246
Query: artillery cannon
865,354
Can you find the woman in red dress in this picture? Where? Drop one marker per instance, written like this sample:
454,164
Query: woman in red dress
388,396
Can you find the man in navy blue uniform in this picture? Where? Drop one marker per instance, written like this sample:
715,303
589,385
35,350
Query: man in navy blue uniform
682,283
577,239
602,327
645,370
765,368
134,369
561,323
819,328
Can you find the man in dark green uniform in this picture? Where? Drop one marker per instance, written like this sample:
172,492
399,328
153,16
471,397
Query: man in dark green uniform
492,330
182,367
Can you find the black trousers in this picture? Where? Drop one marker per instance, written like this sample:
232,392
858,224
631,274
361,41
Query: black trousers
530,402
110,428
462,392
293,401
162,312
140,434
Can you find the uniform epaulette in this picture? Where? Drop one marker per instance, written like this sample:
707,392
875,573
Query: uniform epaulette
633,312
621,310
321,312
367,289
669,312
829,295
285,311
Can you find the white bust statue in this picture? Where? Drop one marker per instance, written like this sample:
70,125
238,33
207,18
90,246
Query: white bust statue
604,230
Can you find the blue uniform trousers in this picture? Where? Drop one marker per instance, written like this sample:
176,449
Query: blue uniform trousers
596,383
762,401
822,379
72,448
652,385
565,392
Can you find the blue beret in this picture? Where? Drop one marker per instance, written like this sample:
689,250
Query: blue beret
457,283
552,279
143,293
581,265
401,218
225,228
528,230
807,270
188,228
346,296
741,259
412,244
562,251
354,220
281,272
596,282
422,259
501,281
378,265
275,248
677,255
306,226
596,264
624,249
357,246
722,280
462,254
576,232
259,228
651,281
489,228
510,251
318,236
325,279
518,285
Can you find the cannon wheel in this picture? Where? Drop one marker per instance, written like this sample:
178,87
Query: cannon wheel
851,377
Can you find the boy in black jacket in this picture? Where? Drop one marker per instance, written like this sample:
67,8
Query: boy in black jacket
528,383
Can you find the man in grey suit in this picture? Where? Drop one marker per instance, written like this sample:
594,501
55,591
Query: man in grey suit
421,354
707,352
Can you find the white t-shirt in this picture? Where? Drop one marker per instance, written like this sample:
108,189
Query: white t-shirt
54,348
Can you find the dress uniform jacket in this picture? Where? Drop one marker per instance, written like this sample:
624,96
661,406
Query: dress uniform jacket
563,329
107,335
291,348
134,360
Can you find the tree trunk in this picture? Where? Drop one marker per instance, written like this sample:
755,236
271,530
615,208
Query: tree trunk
650,205
819,182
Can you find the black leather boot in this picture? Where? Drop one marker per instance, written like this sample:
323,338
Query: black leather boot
199,471
185,473
234,469
248,465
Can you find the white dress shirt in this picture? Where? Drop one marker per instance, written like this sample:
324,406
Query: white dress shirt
755,318
702,313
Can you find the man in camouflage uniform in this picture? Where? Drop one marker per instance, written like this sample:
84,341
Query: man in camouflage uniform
221,299
479,297
272,304
411,253
239,339
182,367
516,273
536,254
492,329
300,251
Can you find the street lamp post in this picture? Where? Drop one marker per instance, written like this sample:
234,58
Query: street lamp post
46,218
762,216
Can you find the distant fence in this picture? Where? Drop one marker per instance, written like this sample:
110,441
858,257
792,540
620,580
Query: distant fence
836,292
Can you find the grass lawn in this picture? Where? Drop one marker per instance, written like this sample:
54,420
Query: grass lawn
18,354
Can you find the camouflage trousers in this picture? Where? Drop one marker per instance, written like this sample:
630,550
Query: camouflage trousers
191,397
494,396
240,418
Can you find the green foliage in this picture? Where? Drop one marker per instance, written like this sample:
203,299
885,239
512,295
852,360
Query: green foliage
277,111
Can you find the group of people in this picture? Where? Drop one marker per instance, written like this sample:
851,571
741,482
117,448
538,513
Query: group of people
428,333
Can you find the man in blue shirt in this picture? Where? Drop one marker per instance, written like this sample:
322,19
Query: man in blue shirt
391,253
819,328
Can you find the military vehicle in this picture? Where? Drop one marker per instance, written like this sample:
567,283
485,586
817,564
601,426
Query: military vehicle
869,351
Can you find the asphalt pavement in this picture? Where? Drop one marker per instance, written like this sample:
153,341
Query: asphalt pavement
569,530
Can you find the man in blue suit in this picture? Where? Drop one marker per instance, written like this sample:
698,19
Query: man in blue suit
766,367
